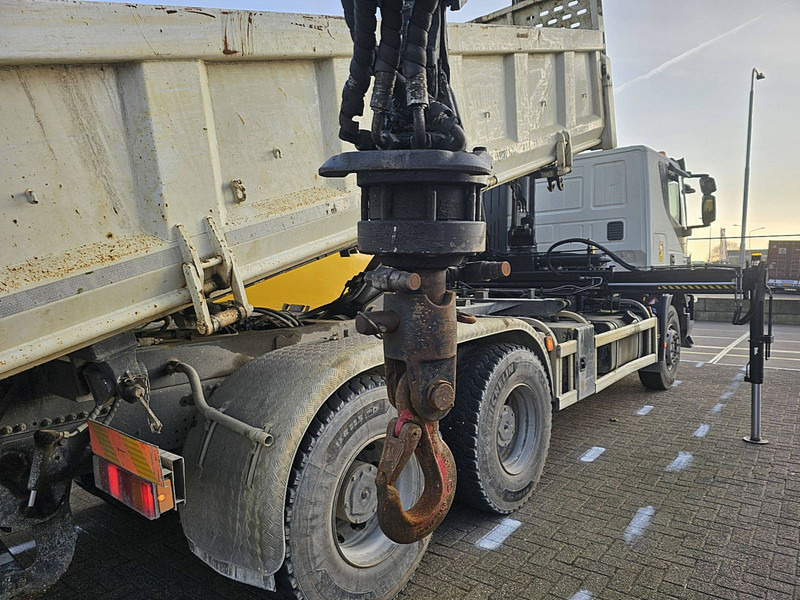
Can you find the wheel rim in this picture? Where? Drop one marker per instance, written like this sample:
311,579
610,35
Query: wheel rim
673,352
356,532
516,430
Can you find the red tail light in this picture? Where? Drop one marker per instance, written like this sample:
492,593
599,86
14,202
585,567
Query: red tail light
138,494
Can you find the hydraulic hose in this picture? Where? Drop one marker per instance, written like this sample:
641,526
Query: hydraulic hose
386,65
614,256
364,25
415,60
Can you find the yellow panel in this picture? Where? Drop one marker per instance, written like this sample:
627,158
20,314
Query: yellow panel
314,284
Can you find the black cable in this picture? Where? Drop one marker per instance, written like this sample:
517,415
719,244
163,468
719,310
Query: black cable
362,31
614,256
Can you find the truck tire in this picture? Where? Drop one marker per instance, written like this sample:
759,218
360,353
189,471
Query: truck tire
334,546
499,428
664,377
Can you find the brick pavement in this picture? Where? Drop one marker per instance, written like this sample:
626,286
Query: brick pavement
727,526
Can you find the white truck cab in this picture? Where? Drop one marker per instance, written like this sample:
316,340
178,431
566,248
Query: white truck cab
632,200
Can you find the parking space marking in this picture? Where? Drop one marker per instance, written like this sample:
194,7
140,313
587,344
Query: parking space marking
716,408
698,365
676,383
24,547
766,367
728,348
701,431
644,410
772,357
683,461
592,453
493,539
582,595
638,524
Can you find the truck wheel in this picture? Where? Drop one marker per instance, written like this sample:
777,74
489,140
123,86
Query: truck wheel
667,366
335,548
499,428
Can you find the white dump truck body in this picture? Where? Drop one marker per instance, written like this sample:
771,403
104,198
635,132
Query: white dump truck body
119,123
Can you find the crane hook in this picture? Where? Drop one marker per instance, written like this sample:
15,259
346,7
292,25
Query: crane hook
406,435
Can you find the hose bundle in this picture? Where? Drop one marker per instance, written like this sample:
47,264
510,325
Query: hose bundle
412,102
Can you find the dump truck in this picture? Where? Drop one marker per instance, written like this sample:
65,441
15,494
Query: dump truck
159,160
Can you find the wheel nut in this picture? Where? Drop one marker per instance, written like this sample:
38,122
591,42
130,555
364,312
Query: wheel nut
441,395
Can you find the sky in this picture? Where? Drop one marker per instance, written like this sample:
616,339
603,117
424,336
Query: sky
681,72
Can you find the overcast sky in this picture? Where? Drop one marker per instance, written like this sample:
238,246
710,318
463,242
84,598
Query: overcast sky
681,71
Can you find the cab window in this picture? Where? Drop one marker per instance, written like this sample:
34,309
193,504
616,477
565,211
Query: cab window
674,192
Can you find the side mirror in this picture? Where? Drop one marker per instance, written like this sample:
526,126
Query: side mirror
709,208
708,185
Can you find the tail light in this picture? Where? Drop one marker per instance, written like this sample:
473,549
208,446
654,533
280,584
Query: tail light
142,496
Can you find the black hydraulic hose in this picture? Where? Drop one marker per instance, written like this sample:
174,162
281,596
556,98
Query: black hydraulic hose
588,242
355,88
415,61
348,6
386,65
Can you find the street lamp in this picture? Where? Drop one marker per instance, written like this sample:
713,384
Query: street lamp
756,74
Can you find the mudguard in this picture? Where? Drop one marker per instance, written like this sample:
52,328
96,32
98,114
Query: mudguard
236,492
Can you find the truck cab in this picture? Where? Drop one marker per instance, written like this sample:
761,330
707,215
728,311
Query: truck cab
632,200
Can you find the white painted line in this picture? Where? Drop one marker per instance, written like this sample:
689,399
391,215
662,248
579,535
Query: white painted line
771,358
638,524
684,461
582,595
15,550
676,383
644,410
700,364
728,348
766,367
493,539
739,377
592,453
701,431
717,407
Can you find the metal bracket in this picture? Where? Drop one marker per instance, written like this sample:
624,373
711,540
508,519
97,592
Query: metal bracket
562,165
222,265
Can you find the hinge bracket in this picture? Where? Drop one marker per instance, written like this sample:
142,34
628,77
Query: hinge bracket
225,272
563,164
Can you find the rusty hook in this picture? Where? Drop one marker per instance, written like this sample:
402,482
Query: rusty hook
405,437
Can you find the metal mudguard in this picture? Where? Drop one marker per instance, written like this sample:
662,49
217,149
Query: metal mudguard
236,492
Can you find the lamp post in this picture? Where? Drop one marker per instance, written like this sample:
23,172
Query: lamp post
756,74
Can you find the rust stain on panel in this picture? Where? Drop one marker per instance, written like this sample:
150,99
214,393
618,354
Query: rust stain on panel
40,269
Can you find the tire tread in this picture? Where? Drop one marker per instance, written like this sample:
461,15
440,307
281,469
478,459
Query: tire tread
285,580
475,369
